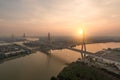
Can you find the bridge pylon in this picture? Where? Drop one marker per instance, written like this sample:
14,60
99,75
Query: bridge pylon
83,46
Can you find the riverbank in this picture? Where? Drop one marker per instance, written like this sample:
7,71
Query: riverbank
82,71
110,53
11,51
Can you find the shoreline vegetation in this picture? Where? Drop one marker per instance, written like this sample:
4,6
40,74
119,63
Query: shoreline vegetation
80,70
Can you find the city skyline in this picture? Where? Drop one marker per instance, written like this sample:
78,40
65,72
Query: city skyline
60,17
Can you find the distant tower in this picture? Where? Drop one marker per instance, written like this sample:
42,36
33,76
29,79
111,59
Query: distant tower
49,42
83,47
24,35
49,38
12,36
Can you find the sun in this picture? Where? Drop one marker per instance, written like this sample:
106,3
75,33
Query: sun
81,31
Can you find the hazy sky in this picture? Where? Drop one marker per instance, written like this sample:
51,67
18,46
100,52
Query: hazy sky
60,17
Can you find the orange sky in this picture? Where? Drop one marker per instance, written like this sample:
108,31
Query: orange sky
60,17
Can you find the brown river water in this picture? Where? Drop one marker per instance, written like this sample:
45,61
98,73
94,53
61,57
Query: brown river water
39,66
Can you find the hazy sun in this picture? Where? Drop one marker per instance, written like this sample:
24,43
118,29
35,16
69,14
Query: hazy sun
81,31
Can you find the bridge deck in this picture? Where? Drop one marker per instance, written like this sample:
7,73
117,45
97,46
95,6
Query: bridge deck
81,51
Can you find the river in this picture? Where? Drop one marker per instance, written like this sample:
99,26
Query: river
39,66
